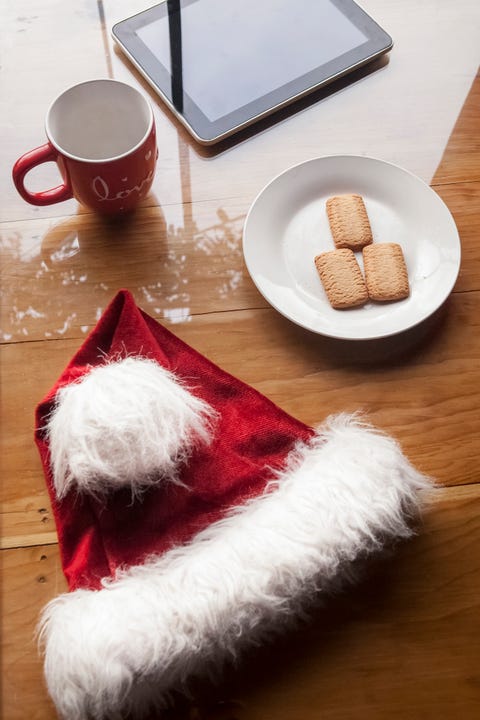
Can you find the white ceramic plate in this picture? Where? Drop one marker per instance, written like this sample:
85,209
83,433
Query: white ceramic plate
287,226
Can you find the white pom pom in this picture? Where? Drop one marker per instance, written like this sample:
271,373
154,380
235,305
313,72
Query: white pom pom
128,423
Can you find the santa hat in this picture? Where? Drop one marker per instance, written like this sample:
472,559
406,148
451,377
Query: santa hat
194,516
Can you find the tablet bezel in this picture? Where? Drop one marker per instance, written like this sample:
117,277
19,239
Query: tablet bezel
208,132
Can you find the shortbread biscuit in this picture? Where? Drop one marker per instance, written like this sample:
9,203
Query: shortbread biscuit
349,222
385,272
342,278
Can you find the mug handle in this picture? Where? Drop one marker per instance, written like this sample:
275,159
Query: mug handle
45,153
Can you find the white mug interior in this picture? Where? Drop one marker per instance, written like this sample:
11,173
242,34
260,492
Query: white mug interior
98,120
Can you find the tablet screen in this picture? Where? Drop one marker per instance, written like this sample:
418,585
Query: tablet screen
234,53
221,64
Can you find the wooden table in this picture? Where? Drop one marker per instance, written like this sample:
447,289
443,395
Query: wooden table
405,642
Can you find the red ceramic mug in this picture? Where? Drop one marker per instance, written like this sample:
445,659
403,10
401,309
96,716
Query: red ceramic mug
101,134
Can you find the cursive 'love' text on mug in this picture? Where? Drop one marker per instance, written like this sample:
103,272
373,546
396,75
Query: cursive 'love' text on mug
101,134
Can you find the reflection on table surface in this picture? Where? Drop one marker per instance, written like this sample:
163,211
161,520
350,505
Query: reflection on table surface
405,640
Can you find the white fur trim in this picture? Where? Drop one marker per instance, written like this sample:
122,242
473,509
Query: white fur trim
125,423
340,496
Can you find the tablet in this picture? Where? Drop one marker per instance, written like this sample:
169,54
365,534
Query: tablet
221,65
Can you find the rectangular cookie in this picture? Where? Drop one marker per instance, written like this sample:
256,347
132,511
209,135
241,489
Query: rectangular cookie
385,272
349,222
342,278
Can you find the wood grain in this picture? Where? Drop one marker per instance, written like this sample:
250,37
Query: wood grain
404,641
403,110
461,158
30,578
58,276
179,261
463,201
422,386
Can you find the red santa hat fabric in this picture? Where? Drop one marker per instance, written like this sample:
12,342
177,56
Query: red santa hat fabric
194,516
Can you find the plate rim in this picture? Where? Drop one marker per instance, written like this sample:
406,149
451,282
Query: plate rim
367,158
